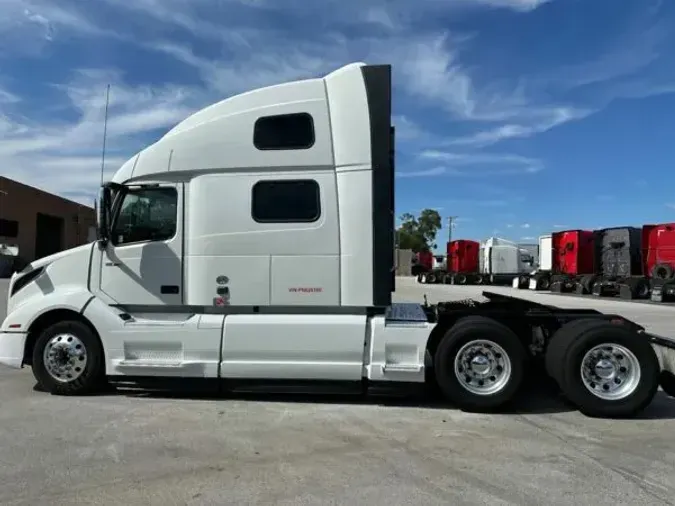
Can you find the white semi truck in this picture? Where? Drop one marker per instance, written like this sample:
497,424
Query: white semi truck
255,242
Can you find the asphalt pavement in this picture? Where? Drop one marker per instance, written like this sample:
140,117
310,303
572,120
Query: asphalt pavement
139,449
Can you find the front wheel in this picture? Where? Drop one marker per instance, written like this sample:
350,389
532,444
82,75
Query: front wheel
479,364
68,359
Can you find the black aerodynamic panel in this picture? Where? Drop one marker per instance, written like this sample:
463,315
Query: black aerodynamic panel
377,79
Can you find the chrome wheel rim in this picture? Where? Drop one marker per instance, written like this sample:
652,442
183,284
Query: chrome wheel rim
610,371
482,367
65,357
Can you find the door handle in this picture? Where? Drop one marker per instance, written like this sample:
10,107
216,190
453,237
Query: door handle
112,264
169,289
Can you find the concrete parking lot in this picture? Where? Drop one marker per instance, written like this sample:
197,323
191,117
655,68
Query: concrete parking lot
130,449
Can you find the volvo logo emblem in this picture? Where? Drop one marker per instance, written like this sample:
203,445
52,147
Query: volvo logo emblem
222,280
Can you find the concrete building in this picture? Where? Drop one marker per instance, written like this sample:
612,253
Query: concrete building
41,223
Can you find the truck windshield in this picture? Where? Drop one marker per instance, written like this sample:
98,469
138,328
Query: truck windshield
146,214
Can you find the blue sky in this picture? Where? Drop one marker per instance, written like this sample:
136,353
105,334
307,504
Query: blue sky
518,116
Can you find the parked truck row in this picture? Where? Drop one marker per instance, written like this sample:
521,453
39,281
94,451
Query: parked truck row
625,262
494,261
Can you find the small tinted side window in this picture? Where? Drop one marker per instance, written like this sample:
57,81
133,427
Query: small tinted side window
285,131
146,214
286,201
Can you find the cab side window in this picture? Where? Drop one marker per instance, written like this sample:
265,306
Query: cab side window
146,214
286,201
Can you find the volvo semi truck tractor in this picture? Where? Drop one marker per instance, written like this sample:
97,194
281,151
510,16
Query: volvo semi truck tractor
254,242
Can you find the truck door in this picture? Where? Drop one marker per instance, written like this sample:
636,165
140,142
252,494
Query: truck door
141,264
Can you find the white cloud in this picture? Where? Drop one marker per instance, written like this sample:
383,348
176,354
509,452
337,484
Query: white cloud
480,164
557,116
671,205
432,172
65,156
518,5
528,238
525,225
7,97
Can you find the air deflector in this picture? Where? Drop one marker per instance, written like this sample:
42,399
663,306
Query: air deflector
377,79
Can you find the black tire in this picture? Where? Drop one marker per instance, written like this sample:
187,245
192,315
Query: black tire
640,288
447,279
558,344
432,279
93,375
460,279
478,328
479,279
544,283
662,271
587,282
588,336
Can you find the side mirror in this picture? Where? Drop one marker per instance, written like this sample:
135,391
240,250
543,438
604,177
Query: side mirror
103,226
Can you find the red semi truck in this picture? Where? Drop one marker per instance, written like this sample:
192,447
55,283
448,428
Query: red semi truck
461,266
658,258
658,251
573,260
423,263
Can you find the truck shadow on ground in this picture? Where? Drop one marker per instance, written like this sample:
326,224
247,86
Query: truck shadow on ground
535,399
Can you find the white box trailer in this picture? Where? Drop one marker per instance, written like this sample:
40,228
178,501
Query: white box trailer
255,242
541,278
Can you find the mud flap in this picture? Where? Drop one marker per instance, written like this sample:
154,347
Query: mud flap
665,352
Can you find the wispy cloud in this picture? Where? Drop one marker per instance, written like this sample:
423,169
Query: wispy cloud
556,116
473,164
42,152
519,5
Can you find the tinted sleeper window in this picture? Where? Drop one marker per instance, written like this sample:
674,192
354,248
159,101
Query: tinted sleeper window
286,131
286,201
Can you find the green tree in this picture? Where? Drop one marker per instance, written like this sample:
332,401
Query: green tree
418,233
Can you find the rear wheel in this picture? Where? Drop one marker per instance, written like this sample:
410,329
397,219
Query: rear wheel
68,359
480,364
460,279
557,346
607,370
544,283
